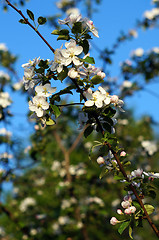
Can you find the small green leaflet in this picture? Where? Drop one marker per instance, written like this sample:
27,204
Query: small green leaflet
88,60
50,122
88,131
149,208
42,20
130,232
30,14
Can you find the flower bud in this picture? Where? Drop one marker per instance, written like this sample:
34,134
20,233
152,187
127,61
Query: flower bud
114,221
125,204
122,154
100,160
114,99
119,211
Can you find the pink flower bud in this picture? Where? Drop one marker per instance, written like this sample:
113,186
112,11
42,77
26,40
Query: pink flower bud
127,211
119,211
114,221
133,209
122,154
90,22
101,74
114,99
125,204
130,210
100,160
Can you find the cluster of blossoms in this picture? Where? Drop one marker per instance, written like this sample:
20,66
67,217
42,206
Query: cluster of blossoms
100,98
152,14
129,209
27,202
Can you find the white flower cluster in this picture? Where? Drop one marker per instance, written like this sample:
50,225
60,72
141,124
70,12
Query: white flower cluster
149,146
3,47
97,200
5,100
29,201
100,98
87,24
151,14
4,76
5,132
66,203
137,53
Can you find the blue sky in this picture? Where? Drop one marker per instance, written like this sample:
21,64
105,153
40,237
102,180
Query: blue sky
111,17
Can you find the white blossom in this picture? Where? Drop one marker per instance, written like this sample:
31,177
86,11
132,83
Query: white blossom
4,76
3,47
152,175
38,105
137,173
17,86
149,146
4,132
89,24
5,100
45,90
71,52
29,201
137,53
59,61
73,73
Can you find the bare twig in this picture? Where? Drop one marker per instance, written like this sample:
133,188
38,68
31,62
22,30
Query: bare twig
27,22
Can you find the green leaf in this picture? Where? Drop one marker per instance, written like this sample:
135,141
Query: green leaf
103,172
149,208
56,110
22,21
30,14
107,127
41,20
130,232
56,32
50,122
77,27
97,79
88,60
88,131
64,32
123,226
63,37
84,43
63,74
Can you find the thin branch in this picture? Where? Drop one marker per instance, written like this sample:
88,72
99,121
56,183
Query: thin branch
27,22
77,140
59,141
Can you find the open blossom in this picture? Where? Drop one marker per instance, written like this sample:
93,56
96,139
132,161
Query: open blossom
149,146
89,24
31,63
59,61
98,98
71,19
45,90
4,75
152,13
28,78
151,175
137,173
138,52
5,100
38,105
3,47
114,221
73,73
29,201
71,52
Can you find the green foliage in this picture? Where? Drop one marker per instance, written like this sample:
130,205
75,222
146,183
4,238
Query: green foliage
30,14
42,20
